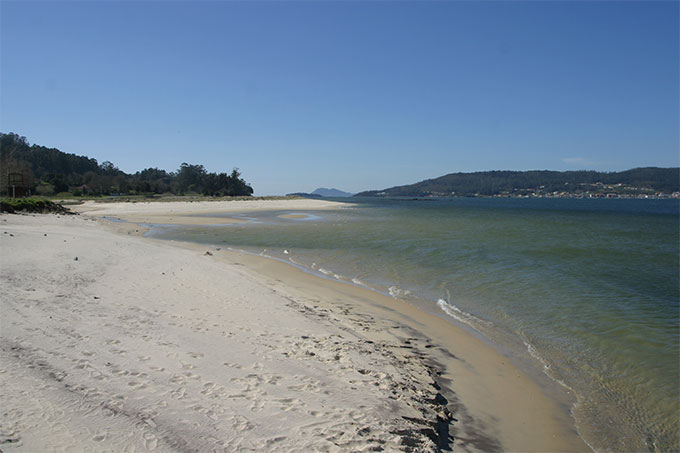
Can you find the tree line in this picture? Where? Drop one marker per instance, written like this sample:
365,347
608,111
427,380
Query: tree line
49,171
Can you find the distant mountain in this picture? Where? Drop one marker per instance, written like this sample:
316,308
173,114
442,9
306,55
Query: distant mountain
323,192
635,182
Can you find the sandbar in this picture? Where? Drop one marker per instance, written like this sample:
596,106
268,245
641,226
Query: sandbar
199,212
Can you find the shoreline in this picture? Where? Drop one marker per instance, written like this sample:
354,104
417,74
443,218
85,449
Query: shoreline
470,367
475,341
496,406
559,395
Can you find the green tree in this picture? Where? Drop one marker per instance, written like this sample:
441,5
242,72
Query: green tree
191,178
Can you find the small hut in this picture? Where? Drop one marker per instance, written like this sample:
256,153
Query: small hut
17,185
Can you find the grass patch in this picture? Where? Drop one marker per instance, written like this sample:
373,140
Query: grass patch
31,204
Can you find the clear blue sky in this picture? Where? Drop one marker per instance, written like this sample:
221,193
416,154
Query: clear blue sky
340,94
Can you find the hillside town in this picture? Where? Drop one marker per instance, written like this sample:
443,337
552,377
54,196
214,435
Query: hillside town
596,190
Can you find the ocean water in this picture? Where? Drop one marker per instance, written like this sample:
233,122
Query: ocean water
584,293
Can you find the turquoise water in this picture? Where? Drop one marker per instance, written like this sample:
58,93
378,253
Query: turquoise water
585,292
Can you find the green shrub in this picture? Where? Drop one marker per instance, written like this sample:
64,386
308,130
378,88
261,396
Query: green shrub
12,205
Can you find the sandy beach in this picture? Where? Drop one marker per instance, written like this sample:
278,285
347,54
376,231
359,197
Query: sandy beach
196,212
111,341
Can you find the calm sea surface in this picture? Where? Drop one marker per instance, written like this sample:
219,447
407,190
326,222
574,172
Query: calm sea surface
585,292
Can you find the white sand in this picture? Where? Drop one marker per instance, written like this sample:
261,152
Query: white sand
198,212
143,345
138,345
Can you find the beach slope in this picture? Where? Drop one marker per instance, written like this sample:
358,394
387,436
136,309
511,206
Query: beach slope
115,342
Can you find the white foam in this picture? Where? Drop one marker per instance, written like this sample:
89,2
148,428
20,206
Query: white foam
459,315
356,281
533,353
453,311
547,368
330,273
397,292
324,271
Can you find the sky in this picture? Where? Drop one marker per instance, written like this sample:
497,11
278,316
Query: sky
352,95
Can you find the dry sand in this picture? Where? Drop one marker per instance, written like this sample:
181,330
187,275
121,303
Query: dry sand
142,345
197,212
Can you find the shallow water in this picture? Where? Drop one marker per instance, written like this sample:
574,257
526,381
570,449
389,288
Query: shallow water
585,291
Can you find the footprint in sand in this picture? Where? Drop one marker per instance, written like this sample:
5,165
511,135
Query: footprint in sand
177,379
290,404
150,441
179,393
208,388
241,423
357,415
214,413
82,364
137,385
97,375
274,440
198,408
99,437
273,379
257,405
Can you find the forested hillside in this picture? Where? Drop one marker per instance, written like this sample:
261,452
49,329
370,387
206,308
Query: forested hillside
49,171
638,181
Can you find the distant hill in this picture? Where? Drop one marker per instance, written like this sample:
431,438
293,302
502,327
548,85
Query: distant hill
303,194
322,191
638,181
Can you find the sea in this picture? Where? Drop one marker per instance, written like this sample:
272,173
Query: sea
582,292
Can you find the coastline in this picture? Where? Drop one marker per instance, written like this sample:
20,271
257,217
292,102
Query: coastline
389,345
499,407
